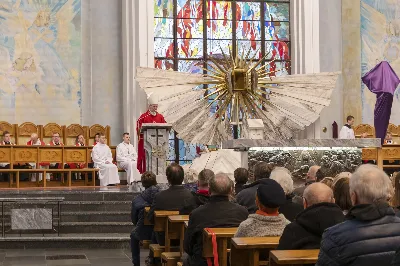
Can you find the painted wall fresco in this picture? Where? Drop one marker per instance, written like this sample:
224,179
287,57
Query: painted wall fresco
380,40
40,61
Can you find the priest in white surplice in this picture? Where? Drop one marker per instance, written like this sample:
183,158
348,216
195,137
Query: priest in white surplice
347,131
102,158
127,159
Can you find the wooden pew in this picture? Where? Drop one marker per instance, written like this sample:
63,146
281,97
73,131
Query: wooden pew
293,257
223,236
176,229
246,250
146,219
160,225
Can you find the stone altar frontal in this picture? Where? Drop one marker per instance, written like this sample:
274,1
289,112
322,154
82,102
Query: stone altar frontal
243,144
156,137
31,219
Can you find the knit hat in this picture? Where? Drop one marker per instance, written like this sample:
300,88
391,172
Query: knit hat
270,194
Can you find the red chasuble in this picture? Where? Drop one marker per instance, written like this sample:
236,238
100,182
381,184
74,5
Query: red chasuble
143,119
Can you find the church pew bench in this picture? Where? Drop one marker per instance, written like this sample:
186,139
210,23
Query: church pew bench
170,258
246,250
293,257
146,219
176,229
223,236
160,225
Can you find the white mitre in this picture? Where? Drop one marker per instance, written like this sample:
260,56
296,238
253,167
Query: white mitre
152,99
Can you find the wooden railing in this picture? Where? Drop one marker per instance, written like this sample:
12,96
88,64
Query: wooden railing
22,154
389,152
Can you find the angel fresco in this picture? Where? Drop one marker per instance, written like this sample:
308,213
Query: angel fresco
37,49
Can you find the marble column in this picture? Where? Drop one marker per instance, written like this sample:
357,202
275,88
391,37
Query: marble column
351,66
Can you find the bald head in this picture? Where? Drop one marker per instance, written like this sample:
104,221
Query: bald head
312,172
220,185
317,193
34,137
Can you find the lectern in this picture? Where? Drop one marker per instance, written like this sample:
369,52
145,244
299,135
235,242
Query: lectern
156,137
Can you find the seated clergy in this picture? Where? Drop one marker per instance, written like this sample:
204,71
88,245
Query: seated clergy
201,195
267,221
320,212
171,199
35,141
127,159
80,141
55,141
142,231
371,233
218,212
96,139
5,141
102,158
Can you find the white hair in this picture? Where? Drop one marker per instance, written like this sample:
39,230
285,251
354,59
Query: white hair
191,176
370,184
284,178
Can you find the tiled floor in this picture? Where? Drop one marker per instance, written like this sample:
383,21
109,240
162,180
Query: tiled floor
76,257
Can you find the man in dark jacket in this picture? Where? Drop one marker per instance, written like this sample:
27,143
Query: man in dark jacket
371,233
141,231
320,212
202,195
247,197
171,199
218,212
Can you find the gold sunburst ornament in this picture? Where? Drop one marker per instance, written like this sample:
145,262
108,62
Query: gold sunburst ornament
242,89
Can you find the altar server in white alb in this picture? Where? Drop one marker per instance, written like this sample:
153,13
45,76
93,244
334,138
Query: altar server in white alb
347,131
102,158
127,159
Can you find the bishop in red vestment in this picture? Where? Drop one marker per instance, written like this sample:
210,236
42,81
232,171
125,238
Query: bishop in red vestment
151,116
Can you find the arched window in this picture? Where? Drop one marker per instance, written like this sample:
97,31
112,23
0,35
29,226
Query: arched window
188,31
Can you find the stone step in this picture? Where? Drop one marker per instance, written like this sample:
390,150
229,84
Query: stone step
86,227
70,241
85,195
79,206
91,216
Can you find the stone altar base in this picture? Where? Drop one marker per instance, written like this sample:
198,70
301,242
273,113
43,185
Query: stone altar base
90,218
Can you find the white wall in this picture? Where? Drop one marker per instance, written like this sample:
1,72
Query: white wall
316,47
102,65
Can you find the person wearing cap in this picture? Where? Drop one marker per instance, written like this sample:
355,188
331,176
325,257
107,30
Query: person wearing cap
267,221
151,116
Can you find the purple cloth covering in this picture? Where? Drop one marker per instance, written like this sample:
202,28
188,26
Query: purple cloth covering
382,81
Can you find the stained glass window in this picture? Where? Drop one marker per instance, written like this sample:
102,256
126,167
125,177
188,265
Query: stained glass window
187,32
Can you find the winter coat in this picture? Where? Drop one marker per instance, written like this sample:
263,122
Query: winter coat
143,232
369,237
199,198
290,209
218,212
260,225
247,197
307,229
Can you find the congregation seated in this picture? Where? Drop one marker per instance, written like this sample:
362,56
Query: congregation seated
241,176
247,197
320,212
171,199
284,178
141,231
202,195
310,178
371,233
218,212
190,179
341,193
267,221
327,181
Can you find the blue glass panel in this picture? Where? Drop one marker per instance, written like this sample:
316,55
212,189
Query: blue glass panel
171,153
163,8
276,11
249,10
277,31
